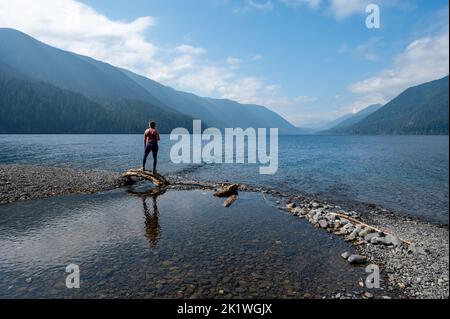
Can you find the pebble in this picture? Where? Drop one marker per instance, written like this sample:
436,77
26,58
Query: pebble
345,255
323,223
368,295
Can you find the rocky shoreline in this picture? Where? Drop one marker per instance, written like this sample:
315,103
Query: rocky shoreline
413,255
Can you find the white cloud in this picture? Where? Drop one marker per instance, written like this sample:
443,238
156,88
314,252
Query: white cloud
245,89
306,99
234,62
205,79
273,89
313,4
257,57
344,8
76,27
425,59
366,51
255,5
73,26
260,5
188,49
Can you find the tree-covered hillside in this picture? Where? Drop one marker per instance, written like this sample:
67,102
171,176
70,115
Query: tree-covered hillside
33,107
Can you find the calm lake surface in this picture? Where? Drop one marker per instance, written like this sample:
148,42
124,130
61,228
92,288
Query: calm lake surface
181,244
408,174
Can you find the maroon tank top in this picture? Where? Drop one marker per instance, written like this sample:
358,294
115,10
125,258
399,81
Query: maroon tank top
151,135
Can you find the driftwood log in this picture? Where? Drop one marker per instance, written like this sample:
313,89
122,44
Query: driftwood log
230,200
231,192
157,179
227,191
357,222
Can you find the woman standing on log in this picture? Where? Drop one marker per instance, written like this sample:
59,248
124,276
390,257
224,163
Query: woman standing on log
151,138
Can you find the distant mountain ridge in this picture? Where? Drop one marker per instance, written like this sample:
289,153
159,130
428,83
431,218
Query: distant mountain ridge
31,60
325,125
423,109
218,112
123,101
341,126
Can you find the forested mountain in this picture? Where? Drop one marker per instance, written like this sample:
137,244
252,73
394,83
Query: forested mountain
33,107
61,88
30,59
218,112
422,109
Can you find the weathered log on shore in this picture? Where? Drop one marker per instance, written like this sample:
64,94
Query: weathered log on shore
231,192
157,179
227,191
230,200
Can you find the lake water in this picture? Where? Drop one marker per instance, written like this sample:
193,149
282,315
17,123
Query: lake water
181,244
408,174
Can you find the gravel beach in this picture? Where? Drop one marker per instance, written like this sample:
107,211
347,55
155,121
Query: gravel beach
25,182
412,255
420,270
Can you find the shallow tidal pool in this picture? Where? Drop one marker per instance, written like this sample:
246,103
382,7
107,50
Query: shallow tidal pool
130,243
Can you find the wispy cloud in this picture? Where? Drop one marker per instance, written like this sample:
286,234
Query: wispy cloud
423,60
306,99
339,9
188,49
257,57
344,8
313,4
77,27
233,62
255,5
366,51
73,26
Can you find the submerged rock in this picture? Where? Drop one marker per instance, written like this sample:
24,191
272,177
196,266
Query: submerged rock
345,255
357,259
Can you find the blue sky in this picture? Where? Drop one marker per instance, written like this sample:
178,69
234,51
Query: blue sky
309,60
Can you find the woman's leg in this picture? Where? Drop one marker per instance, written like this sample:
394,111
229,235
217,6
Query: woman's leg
148,149
155,149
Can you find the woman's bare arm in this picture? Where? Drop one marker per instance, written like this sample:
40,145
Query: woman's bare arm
145,137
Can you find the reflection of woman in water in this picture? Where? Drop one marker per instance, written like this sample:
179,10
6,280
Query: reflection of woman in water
152,228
